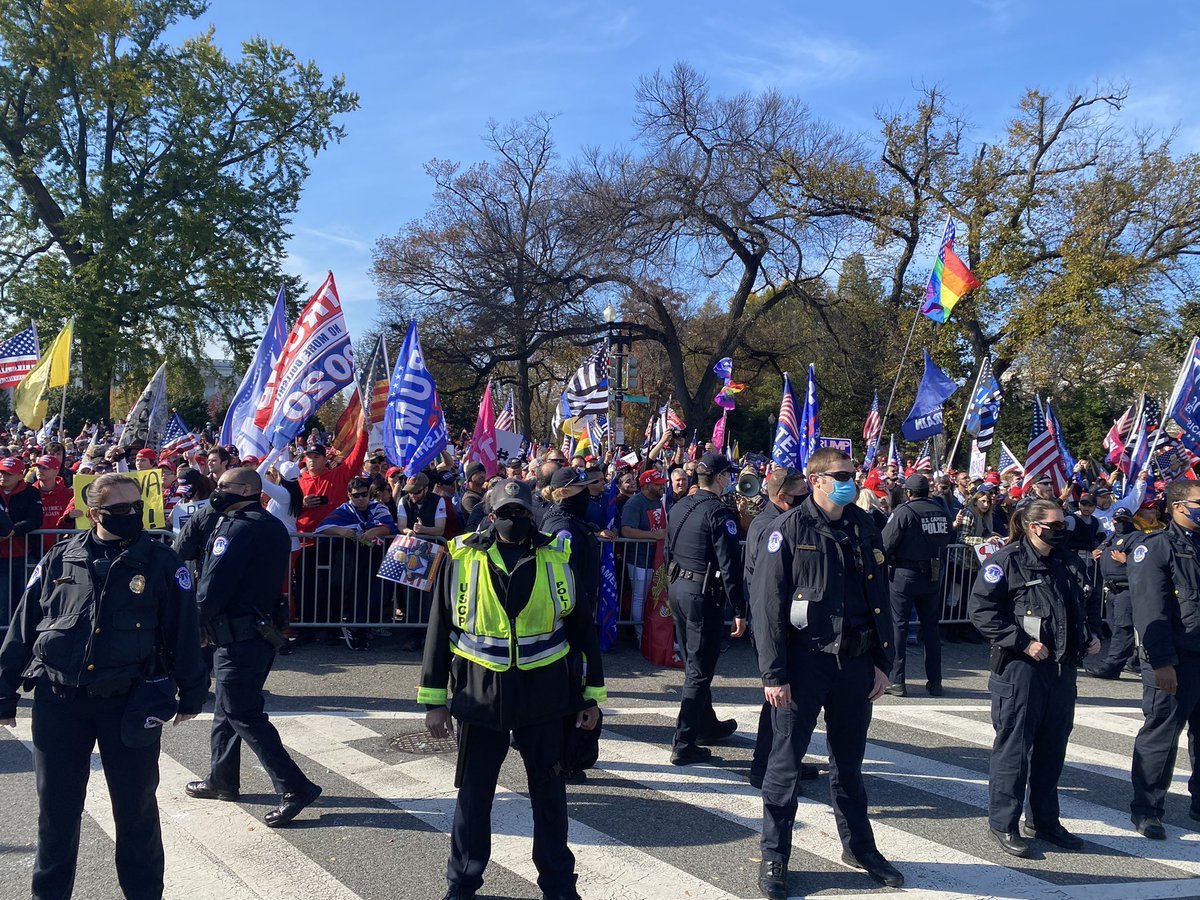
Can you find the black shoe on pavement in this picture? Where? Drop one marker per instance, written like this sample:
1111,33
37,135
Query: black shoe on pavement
896,690
291,806
455,894
873,863
202,790
724,730
1010,842
579,777
934,689
573,895
756,780
772,879
1150,826
808,772
1054,834
1194,813
1106,674
688,756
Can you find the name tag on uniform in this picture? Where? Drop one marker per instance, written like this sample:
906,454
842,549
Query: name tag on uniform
806,546
1033,583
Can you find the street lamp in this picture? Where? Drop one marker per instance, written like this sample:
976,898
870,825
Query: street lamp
618,344
610,314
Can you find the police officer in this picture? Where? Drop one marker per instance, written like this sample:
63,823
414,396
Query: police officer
705,570
1164,579
102,611
914,541
1114,557
822,631
1029,602
247,560
505,618
786,488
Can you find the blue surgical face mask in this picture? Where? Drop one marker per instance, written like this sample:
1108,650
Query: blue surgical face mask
844,492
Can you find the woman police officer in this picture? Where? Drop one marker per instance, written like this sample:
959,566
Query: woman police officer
1029,601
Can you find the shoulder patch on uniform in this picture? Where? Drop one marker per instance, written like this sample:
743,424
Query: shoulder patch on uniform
1140,553
774,542
731,526
35,577
993,574
183,578
563,535
219,545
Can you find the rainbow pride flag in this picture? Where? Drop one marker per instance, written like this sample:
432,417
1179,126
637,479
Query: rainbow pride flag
949,281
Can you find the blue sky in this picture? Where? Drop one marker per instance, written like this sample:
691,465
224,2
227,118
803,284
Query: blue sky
431,75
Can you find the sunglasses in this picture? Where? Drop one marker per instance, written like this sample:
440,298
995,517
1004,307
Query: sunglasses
512,512
1053,526
122,509
838,476
356,495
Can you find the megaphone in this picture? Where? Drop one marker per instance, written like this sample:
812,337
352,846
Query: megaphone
749,485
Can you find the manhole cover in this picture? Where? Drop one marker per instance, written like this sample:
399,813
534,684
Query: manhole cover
422,742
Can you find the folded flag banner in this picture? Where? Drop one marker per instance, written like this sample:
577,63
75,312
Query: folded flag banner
787,430
239,428
925,418
317,362
724,368
608,605
413,425
985,406
949,281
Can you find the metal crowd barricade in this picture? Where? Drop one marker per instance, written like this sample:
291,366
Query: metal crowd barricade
958,575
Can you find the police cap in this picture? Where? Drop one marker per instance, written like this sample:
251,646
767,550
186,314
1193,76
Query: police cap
509,492
713,464
917,484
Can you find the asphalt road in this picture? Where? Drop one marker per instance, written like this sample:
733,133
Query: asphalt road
640,827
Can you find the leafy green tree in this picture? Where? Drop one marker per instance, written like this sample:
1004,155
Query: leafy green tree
147,186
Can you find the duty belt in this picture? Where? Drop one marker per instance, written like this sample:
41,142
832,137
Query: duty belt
114,687
690,575
1117,586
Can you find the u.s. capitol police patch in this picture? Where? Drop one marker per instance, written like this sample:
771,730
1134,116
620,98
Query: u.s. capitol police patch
993,574
1140,553
35,577
219,545
774,542
183,578
731,526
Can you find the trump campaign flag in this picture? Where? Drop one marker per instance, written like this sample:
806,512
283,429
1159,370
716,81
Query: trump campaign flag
238,428
787,431
810,420
608,605
925,418
482,448
317,362
1184,405
414,428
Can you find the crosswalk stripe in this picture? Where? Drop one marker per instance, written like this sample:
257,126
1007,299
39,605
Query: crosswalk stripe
218,846
424,788
1079,756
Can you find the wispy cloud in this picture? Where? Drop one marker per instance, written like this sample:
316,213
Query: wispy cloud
799,58
999,14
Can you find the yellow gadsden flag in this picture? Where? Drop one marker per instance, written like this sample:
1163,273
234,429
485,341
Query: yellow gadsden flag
53,370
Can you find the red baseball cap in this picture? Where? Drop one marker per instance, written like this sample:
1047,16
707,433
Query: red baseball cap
653,476
49,462
146,453
394,470
13,464
167,464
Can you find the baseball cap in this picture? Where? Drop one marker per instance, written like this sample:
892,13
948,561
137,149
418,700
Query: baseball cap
652,476
12,464
1045,479
49,462
568,476
713,464
392,472
916,483
251,461
418,482
474,468
146,453
447,478
510,492
1101,490
289,471
315,450
1122,513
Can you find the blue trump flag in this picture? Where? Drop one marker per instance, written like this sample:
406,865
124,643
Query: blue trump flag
925,418
810,420
239,428
608,605
724,368
787,431
1184,405
414,429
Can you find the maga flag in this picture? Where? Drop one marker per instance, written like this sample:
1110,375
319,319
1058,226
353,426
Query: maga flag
413,425
787,431
810,420
949,281
1184,405
925,418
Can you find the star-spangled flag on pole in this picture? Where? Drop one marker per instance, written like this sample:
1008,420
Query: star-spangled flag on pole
1067,460
506,420
177,437
810,420
893,456
1008,461
924,461
18,355
872,431
414,428
787,430
1043,456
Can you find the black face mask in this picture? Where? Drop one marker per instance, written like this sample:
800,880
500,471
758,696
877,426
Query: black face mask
1053,538
513,531
576,504
127,527
222,500
1123,526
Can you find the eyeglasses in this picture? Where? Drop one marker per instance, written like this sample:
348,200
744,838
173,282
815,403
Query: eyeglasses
838,476
1053,526
122,509
358,495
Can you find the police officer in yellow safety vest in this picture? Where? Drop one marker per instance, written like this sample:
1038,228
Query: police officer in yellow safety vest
505,616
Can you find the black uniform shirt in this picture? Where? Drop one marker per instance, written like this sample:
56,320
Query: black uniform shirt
247,560
854,589
702,534
1164,581
917,532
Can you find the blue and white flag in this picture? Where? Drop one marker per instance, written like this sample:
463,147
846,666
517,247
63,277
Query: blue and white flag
414,428
787,430
810,420
724,368
925,418
239,428
984,407
1184,405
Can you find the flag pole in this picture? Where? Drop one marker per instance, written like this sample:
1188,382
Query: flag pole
62,416
966,413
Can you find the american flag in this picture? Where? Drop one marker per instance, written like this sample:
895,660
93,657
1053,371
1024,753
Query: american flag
1008,462
18,355
924,461
787,431
1068,461
177,437
894,454
1043,457
674,420
506,420
1118,437
1152,410
873,427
